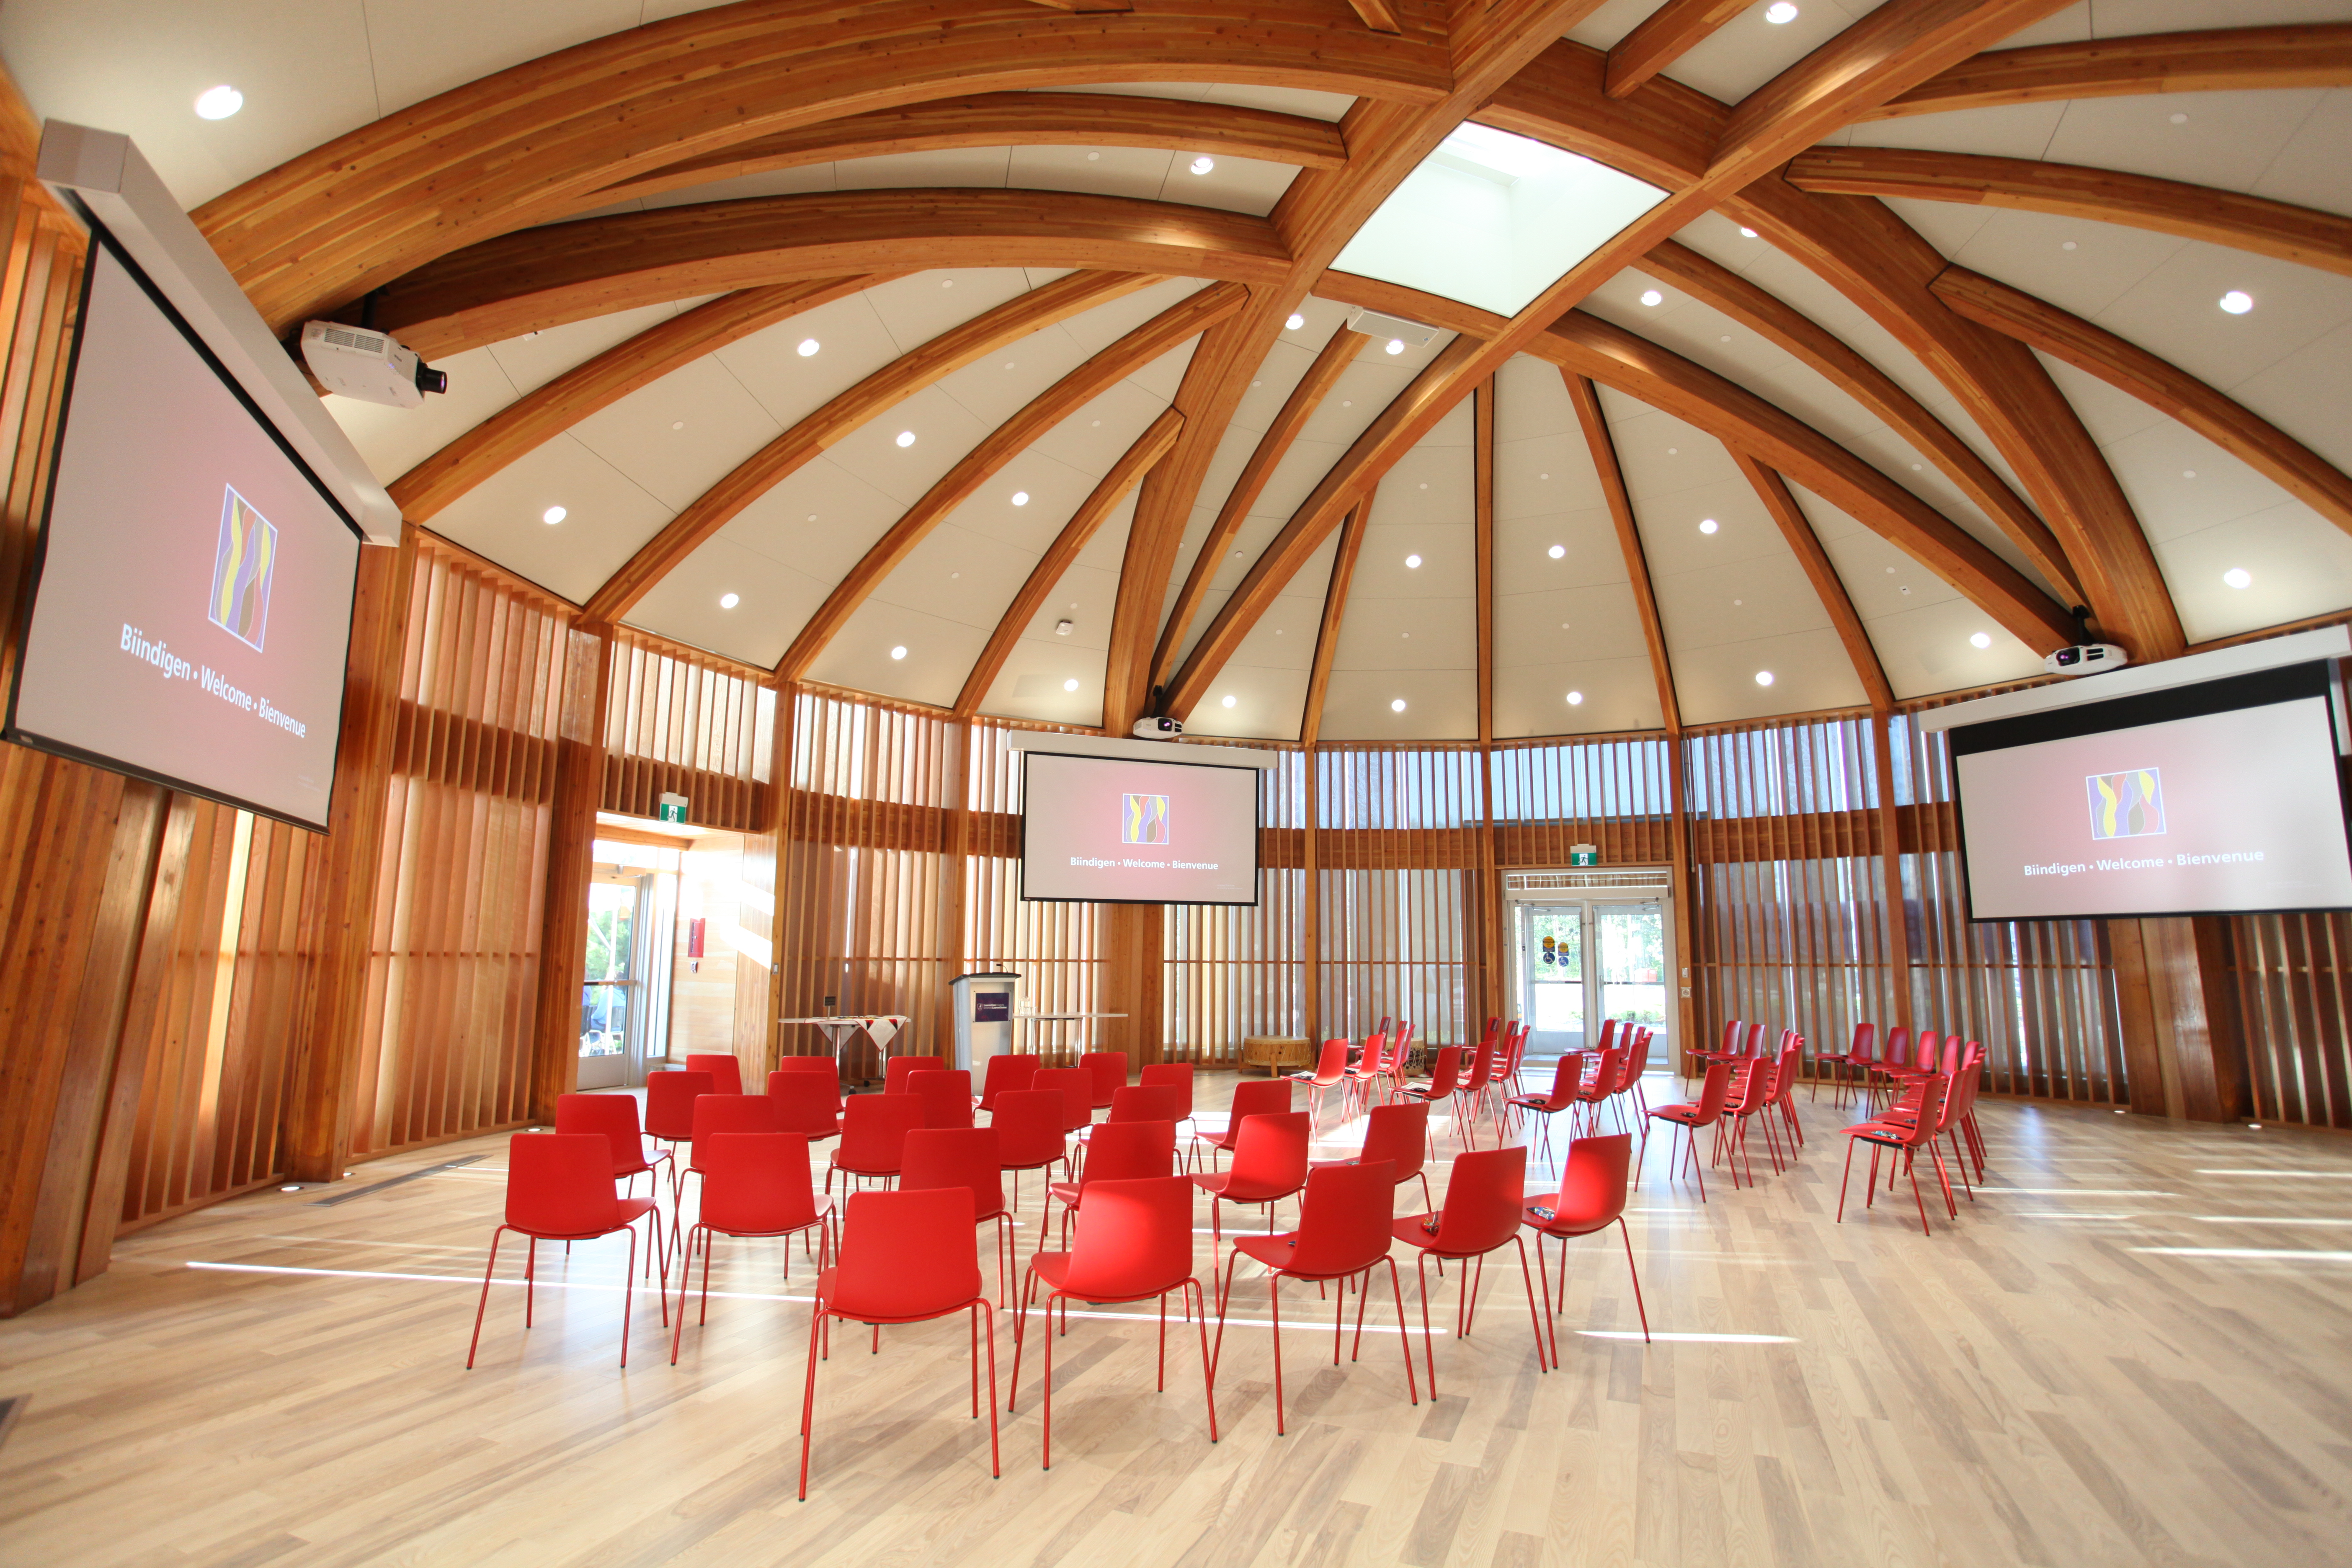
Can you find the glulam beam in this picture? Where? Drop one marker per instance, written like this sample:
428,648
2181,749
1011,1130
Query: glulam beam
2218,59
1594,423
1664,36
1335,610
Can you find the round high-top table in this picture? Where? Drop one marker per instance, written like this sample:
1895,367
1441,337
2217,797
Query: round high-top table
840,1031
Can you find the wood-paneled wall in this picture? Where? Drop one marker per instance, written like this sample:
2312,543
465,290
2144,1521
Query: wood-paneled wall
687,722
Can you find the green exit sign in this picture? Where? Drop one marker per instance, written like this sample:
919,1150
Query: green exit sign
672,807
1583,855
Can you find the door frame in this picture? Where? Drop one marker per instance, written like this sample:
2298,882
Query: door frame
1588,884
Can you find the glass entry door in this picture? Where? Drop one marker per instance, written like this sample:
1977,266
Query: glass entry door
1583,960
610,989
1552,988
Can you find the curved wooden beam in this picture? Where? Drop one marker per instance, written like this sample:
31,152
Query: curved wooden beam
1016,120
2222,60
536,141
1378,14
1798,529
1781,324
542,415
1592,348
1888,52
2228,424
1337,356
894,382
1603,447
1665,133
2291,233
543,276
1482,535
1186,319
1861,248
1124,475
1664,36
1335,609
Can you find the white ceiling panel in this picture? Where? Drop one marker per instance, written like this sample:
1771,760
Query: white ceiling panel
1606,24
394,440
1034,683
1749,51
773,600
420,49
1440,704
683,434
1613,694
1809,671
606,518
534,359
2297,565
939,654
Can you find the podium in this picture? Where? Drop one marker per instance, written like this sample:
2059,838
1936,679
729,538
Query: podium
983,1007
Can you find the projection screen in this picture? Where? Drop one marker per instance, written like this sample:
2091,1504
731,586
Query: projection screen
1110,830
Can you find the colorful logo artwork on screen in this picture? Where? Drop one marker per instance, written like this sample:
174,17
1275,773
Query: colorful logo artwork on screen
2127,804
241,571
1143,819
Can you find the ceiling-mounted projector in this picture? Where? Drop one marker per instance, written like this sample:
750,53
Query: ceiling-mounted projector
368,366
2086,658
1158,728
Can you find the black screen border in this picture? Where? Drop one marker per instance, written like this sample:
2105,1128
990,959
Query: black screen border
1257,827
2224,694
28,593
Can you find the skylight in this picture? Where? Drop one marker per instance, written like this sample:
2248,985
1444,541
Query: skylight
1494,220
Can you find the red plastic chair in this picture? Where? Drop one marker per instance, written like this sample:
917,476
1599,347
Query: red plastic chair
1754,1077
1269,1165
1122,1151
560,1188
969,1157
1397,1134
1637,1064
906,1258
1706,1111
1029,1137
1107,1071
1373,1067
717,1113
946,1097
1607,1082
1445,1080
1591,1197
726,1072
1006,1074
1255,1097
1176,1077
669,1111
1567,1088
1343,1233
754,1184
616,1117
1860,1051
874,1129
895,1071
1485,1199
1905,1140
1135,1245
822,1069
1331,1068
1076,1087
805,1103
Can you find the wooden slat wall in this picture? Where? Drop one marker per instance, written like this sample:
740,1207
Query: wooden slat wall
1397,835
1056,949
1236,972
2293,977
1612,792
690,724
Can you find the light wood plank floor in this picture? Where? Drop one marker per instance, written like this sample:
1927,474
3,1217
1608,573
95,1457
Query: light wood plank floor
2132,1348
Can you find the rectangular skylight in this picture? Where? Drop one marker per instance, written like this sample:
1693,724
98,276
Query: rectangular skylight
1494,220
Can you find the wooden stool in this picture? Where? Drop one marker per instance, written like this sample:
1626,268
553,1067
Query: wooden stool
1275,1052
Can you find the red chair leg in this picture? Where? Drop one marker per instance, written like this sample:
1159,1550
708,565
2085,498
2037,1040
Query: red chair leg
1534,1321
1404,1334
1274,1303
1636,1274
484,1304
1428,1343
1208,1369
808,1395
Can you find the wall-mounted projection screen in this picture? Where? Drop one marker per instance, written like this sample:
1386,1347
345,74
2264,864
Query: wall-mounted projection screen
1109,830
2218,798
190,609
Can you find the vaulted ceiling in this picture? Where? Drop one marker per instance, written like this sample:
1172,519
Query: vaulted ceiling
990,354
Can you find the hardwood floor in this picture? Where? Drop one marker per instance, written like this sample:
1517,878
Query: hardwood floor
2133,1348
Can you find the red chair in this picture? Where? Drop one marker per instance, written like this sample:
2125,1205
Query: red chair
1906,1140
1779,1099
906,1258
1369,1068
1860,1052
1485,1199
964,1157
1394,1133
1006,1074
1591,1197
1076,1087
1029,1136
560,1188
946,1097
1122,1151
822,1069
1893,1056
1607,1082
1330,1067
1474,1090
754,1184
1445,1080
1637,1064
895,1071
1514,1053
1136,1245
1567,1088
1343,1233
1176,1079
805,1103
726,1072
1740,1040
1107,1071
717,1113
1269,1165
874,1129
1706,1111
1255,1097
669,1111
1754,1077
616,1117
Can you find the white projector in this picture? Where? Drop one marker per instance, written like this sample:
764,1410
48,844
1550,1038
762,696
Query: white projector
1158,728
368,366
2086,658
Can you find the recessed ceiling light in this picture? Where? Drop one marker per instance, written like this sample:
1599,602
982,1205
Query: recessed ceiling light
2238,577
1019,498
898,652
906,437
1228,699
2068,246
2237,301
1296,321
1763,678
813,518
677,424
1071,684
1779,13
1652,297
1556,551
553,515
729,601
1980,640
1745,232
219,102
1093,157
946,282
1396,345
2188,473
1396,705
1203,164
1707,526
1412,560
1674,451
2178,118
1575,699
808,348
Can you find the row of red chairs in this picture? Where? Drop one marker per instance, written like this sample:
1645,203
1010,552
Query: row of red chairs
1932,1102
1743,1084
1615,1079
